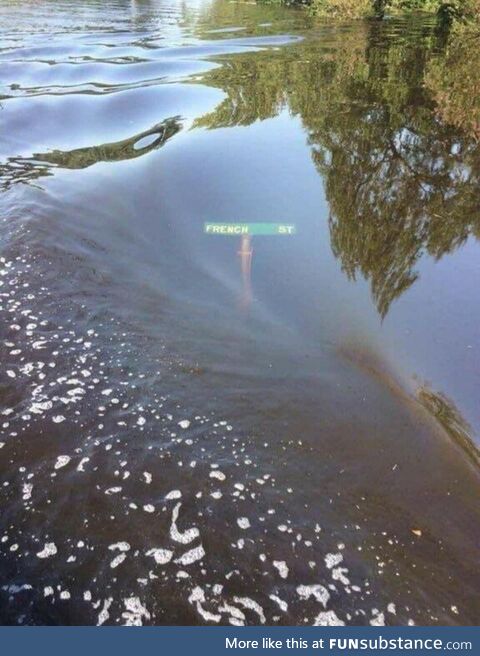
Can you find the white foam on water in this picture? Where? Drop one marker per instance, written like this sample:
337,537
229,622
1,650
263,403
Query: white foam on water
197,598
338,574
281,604
191,556
113,490
135,612
331,559
121,546
81,464
174,494
104,615
184,537
217,474
328,618
118,560
243,523
378,619
62,461
252,605
161,556
317,591
282,568
48,550
27,491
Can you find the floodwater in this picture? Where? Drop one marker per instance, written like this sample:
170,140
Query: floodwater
197,428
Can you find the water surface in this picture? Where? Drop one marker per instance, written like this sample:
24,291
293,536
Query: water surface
197,429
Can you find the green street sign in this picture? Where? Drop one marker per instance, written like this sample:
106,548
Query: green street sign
235,229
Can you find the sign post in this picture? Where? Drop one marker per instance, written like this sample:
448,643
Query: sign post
265,229
246,231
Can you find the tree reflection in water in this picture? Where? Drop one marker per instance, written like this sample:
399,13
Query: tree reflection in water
400,180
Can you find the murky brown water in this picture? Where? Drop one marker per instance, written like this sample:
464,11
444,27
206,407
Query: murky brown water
192,435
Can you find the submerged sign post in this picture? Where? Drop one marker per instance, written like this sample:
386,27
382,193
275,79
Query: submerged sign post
266,229
246,231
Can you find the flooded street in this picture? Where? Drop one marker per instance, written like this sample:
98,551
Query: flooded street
201,428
